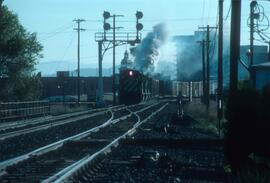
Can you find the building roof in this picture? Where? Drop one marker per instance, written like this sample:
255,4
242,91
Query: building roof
265,66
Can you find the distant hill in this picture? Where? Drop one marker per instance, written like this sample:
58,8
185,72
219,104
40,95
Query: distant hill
50,68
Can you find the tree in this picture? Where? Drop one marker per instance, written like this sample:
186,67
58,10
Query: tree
19,52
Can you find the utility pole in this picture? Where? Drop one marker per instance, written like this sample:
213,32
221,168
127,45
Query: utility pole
252,5
207,88
235,44
203,70
253,16
114,92
220,64
78,29
207,67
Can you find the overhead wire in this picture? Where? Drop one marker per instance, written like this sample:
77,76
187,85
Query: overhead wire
228,13
215,37
259,28
53,34
203,9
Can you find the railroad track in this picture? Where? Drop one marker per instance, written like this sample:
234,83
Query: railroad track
19,142
15,127
63,156
163,156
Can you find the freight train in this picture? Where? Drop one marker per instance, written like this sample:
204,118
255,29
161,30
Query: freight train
134,87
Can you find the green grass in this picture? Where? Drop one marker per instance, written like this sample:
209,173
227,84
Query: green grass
198,111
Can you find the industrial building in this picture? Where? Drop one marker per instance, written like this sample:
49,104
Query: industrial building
262,75
260,56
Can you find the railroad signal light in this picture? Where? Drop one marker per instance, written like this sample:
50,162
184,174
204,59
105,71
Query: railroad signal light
106,14
139,26
139,14
130,73
106,26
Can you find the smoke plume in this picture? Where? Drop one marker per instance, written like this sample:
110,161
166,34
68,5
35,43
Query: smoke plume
147,53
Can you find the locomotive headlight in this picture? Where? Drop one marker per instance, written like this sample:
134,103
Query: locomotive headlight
130,73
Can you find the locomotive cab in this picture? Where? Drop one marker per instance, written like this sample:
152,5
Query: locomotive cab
130,87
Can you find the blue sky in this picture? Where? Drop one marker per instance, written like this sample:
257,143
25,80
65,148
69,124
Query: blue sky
52,20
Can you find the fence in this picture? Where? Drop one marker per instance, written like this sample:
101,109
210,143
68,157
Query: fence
21,110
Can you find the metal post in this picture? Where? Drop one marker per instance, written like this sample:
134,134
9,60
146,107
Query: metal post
100,81
63,91
117,40
220,64
113,87
137,31
235,44
190,91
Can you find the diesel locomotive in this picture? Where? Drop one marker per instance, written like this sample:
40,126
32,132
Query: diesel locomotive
134,87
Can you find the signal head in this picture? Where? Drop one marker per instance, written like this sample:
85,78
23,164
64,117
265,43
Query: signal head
139,26
106,26
139,14
106,15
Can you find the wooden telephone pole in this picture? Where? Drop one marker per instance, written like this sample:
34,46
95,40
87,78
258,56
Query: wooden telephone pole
207,83
78,29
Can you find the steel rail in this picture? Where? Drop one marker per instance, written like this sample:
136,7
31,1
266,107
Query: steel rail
74,169
56,145
22,123
56,122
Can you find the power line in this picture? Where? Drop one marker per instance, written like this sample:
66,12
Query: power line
228,13
84,58
67,48
203,12
209,10
52,34
60,28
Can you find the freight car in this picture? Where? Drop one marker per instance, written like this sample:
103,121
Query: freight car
165,88
191,89
134,87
